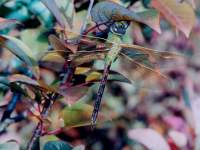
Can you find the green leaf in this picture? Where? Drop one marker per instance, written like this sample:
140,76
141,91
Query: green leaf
113,76
22,51
57,145
79,114
53,57
37,41
116,76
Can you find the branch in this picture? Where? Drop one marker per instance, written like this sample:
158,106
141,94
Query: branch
34,141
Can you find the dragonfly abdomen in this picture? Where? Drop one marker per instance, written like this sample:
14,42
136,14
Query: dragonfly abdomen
100,94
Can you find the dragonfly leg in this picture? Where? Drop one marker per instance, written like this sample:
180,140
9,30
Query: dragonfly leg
100,94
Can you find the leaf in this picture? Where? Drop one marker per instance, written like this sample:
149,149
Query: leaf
53,61
37,41
78,20
9,145
149,138
39,10
87,76
105,11
113,76
28,81
116,76
174,122
23,79
51,5
72,94
53,57
81,70
148,16
67,9
5,23
10,137
79,114
178,137
57,145
196,114
93,76
180,15
19,49
58,44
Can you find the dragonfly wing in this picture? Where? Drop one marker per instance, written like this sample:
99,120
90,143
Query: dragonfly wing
87,56
153,54
137,56
142,72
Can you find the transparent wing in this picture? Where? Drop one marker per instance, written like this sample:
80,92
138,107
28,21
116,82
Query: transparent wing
152,53
144,74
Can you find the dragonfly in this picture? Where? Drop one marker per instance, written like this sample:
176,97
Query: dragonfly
143,59
117,19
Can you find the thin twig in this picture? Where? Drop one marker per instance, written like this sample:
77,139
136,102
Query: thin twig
87,17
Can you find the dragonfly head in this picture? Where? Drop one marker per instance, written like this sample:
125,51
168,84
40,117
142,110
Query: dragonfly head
119,27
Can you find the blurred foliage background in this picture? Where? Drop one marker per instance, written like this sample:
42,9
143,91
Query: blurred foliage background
149,113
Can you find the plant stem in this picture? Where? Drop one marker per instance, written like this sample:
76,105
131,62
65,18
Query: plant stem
38,130
34,141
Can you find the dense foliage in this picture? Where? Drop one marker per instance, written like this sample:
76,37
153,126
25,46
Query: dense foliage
57,56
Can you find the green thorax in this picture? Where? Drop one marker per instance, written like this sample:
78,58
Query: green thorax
115,48
117,31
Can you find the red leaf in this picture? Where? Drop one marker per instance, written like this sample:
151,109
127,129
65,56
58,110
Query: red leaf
180,15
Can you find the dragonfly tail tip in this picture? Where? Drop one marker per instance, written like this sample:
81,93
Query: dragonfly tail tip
93,124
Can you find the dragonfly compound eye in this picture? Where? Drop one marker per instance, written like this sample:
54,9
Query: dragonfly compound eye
119,27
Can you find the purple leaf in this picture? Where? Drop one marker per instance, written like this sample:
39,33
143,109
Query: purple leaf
149,138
